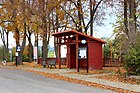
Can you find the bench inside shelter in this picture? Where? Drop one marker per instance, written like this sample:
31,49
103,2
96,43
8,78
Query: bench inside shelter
51,63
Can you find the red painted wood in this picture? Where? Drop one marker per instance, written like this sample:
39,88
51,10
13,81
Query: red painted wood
95,56
74,32
83,64
77,63
68,56
94,49
73,56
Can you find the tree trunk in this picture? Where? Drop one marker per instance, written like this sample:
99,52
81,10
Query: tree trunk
132,22
91,17
44,48
55,39
3,31
125,17
22,49
30,47
48,36
36,44
79,16
7,49
16,35
30,51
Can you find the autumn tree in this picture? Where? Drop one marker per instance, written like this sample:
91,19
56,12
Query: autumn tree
131,10
83,14
4,33
127,34
46,23
17,16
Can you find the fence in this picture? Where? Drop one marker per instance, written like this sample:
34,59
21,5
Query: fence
114,62
63,60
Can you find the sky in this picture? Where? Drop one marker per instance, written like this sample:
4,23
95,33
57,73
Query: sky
106,30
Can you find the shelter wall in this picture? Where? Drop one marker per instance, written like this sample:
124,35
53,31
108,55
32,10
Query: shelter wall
95,55
83,63
73,56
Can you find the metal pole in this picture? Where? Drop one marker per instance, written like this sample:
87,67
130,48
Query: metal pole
17,55
16,58
16,61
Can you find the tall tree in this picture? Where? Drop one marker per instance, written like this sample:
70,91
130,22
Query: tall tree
80,10
132,21
125,16
17,17
4,36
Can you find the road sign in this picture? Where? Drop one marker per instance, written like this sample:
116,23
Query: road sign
18,48
16,54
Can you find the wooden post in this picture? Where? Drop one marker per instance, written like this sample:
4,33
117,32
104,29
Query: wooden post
77,63
68,56
103,55
87,58
59,54
111,53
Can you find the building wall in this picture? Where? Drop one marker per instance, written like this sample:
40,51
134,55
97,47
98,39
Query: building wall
83,63
95,55
73,56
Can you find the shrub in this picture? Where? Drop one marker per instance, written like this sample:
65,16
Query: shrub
132,61
25,58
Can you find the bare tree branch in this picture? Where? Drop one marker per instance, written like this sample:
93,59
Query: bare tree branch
94,11
70,16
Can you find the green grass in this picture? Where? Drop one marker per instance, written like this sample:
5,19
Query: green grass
51,54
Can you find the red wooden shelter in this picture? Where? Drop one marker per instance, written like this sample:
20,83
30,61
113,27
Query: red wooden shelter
83,51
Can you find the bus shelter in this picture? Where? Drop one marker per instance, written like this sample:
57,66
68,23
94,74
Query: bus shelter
83,51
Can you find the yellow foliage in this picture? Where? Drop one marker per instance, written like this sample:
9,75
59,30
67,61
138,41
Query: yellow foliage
26,52
61,15
9,27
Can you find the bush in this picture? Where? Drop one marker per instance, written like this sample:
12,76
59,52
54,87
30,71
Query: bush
132,61
25,58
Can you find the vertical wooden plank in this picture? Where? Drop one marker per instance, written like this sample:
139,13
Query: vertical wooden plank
77,63
87,58
56,41
59,56
111,53
59,53
68,56
103,57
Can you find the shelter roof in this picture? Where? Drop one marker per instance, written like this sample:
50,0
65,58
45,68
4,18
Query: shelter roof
74,32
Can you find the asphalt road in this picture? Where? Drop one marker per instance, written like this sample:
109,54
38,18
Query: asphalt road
17,81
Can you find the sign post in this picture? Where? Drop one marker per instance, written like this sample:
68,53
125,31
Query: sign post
83,52
35,54
16,58
17,53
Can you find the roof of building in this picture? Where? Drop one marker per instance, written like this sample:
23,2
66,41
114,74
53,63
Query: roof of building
74,32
